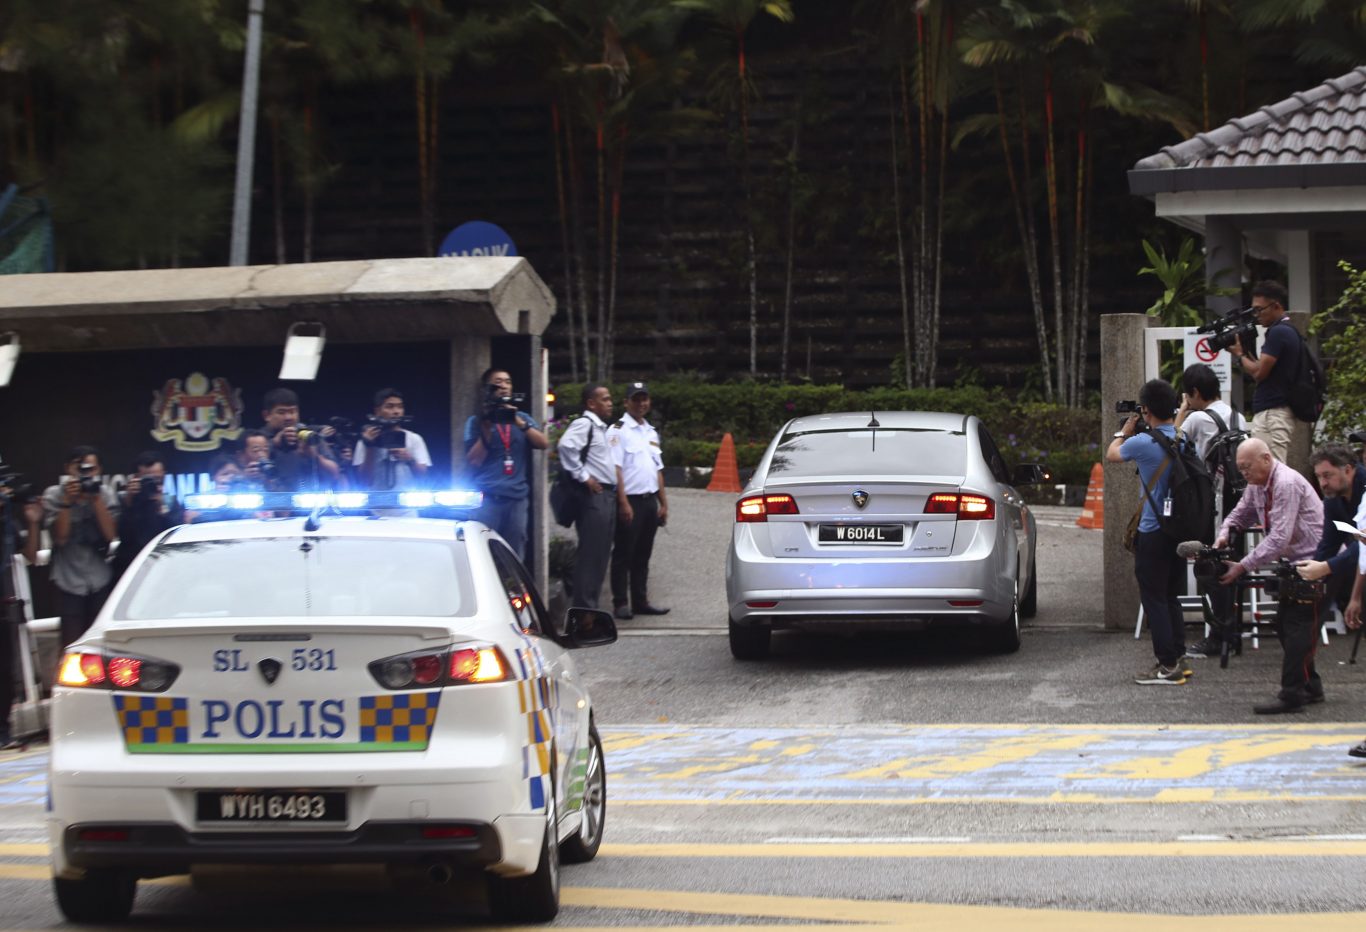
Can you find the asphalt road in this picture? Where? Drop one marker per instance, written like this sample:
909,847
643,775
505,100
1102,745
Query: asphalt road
906,781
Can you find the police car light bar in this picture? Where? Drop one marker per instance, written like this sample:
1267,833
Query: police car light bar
339,501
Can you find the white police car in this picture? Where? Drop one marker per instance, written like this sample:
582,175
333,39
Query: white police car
325,690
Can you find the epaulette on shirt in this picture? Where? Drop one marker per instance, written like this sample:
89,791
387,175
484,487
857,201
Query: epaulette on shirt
616,425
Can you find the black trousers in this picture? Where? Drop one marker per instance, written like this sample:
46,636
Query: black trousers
631,549
9,659
595,524
1161,578
78,612
1298,624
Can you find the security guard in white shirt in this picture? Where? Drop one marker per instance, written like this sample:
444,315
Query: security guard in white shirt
642,506
584,452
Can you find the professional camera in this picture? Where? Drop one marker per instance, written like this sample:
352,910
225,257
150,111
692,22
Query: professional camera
1127,408
148,487
310,434
1209,561
496,405
1235,325
1287,583
390,432
14,486
89,482
263,468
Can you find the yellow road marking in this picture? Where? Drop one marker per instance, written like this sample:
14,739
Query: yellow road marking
23,851
619,740
1166,796
722,765
1081,849
1201,760
997,751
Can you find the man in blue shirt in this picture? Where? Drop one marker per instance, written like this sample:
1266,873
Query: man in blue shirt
1274,370
1160,572
498,445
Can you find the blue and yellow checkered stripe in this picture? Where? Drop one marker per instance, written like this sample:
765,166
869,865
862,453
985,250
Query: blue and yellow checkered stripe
156,720
398,718
538,698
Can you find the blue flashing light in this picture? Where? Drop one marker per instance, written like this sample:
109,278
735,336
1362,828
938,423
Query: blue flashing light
459,498
340,501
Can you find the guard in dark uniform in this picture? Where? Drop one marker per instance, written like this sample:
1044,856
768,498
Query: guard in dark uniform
642,506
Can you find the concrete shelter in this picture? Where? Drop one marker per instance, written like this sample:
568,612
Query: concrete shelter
485,310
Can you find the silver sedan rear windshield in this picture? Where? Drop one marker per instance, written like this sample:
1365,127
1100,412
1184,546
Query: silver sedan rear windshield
881,452
301,578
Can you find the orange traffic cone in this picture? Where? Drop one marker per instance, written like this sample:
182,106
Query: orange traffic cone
725,476
1093,512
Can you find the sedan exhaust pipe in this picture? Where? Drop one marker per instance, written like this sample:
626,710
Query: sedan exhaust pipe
439,874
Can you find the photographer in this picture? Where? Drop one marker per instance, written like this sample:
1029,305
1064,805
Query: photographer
302,459
145,512
1203,416
1342,480
228,478
498,445
81,515
387,456
1291,516
1160,572
1273,370
20,516
253,460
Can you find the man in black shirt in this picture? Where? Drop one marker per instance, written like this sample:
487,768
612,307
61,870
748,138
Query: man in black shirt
301,464
1274,370
145,511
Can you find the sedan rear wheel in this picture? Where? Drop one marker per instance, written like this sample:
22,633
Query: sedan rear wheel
1005,638
1029,607
583,845
749,642
536,897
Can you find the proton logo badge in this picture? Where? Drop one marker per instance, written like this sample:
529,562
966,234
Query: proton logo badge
270,670
860,498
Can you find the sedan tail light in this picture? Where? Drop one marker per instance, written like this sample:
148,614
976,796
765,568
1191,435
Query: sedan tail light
966,506
90,669
468,663
759,507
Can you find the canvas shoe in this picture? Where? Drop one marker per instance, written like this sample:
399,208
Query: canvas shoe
1183,664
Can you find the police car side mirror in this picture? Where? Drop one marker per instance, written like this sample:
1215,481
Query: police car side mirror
588,627
1029,474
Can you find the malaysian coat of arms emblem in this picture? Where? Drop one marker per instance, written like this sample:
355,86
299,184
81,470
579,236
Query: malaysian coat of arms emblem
198,414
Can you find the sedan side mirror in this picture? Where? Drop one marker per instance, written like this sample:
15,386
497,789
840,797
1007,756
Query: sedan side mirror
1029,474
588,627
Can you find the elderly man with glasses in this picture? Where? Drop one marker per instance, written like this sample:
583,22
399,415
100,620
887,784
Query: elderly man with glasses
1289,512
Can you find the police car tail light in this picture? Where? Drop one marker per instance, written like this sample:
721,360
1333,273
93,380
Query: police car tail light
966,506
477,665
116,671
759,507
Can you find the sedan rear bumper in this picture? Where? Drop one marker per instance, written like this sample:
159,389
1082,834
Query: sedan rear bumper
159,849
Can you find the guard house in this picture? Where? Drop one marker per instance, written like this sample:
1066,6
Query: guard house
1287,182
177,360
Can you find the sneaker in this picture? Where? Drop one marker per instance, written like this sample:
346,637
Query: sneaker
1160,676
1205,647
1184,665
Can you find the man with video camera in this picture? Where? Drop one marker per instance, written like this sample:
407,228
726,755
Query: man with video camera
498,445
302,459
1274,370
145,512
388,457
20,516
1291,516
1160,572
82,517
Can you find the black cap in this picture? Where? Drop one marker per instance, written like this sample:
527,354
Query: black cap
637,388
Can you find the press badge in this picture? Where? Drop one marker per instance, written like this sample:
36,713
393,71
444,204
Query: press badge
1167,506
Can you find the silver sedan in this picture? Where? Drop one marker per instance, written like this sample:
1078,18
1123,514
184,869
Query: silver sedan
883,520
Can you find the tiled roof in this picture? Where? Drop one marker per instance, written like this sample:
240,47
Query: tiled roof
1325,125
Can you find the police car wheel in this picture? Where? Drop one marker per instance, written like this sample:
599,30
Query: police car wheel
535,897
749,642
101,896
583,845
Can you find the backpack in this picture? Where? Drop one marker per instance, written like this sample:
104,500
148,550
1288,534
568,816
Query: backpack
1308,391
1221,461
1191,491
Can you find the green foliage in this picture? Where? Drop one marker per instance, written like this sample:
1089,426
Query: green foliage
1183,284
1342,338
693,416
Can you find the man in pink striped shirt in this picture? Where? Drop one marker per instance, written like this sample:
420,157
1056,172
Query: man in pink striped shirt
1289,511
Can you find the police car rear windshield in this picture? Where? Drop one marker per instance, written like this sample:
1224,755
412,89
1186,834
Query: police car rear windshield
868,453
301,578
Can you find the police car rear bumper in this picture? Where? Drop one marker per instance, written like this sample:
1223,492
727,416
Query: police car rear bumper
159,849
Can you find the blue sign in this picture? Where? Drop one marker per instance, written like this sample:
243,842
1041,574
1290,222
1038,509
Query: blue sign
478,238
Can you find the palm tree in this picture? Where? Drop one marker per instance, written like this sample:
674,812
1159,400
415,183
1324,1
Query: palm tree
733,18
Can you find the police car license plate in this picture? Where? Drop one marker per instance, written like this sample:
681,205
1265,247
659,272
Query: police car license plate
860,533
312,806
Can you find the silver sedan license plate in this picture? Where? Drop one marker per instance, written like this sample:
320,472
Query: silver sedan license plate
311,806
860,533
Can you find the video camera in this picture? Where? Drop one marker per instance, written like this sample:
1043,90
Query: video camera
1209,561
1287,583
1235,325
390,431
14,486
496,405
